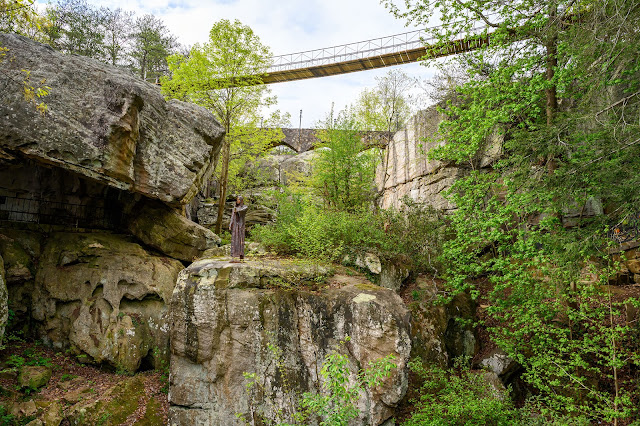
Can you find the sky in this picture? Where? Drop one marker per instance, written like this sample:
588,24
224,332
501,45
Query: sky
289,26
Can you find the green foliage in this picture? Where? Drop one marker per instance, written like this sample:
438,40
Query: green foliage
344,171
21,17
152,44
386,107
6,418
305,228
234,56
336,403
67,377
458,396
110,35
75,27
523,224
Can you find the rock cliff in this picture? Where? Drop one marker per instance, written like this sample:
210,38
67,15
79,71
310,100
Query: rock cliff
226,315
105,124
99,295
408,172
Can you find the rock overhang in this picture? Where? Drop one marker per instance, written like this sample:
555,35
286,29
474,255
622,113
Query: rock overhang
105,124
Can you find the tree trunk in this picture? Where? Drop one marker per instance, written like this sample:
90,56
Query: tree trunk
552,62
224,173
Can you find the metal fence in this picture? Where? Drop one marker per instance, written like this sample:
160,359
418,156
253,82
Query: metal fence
96,213
361,49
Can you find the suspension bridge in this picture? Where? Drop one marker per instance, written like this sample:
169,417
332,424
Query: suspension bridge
379,52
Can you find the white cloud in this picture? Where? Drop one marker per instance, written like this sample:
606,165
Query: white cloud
288,26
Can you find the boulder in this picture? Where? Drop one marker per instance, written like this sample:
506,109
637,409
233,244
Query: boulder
269,318
105,298
52,415
498,362
394,272
23,409
436,334
33,377
389,273
168,231
105,124
4,301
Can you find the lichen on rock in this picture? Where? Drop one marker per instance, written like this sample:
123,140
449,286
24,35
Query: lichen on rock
225,315
105,124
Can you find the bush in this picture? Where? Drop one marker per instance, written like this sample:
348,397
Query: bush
307,229
459,396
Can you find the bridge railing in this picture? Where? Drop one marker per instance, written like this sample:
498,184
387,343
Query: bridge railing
359,50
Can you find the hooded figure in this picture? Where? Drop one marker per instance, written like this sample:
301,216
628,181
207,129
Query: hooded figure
236,226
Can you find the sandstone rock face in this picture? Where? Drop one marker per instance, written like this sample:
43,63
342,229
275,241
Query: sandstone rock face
407,172
105,124
169,232
436,336
225,315
4,300
98,294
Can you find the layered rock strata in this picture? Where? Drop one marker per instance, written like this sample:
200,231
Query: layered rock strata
226,315
105,124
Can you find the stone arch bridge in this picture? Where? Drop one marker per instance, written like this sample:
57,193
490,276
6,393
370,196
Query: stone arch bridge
302,140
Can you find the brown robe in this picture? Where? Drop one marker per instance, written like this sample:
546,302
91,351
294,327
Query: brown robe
237,231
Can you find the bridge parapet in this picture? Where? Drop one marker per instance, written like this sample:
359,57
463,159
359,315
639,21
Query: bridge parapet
302,140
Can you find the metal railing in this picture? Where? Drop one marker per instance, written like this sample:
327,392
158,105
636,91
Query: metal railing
96,214
362,49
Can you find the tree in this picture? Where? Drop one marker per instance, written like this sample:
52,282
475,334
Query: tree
20,17
76,27
152,44
344,172
117,34
206,78
387,107
558,81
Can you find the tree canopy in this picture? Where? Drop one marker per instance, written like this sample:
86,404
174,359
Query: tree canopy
558,83
205,77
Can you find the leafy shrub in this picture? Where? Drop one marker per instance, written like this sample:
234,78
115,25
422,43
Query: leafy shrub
459,396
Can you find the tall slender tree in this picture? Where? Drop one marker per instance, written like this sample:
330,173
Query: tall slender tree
152,44
223,75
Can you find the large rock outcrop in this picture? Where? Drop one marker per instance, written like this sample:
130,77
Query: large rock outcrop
169,232
100,295
406,170
225,315
105,124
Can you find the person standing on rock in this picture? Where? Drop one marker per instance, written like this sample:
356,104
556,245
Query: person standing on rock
236,226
